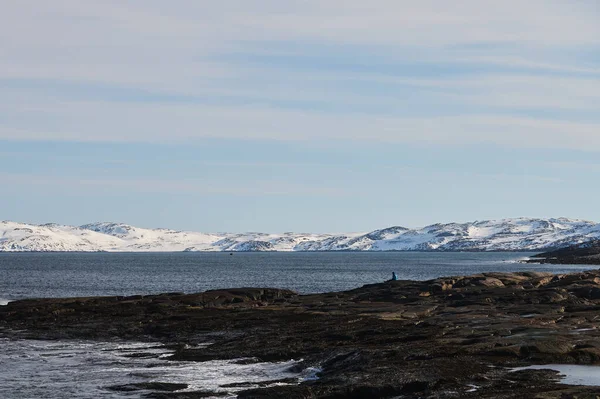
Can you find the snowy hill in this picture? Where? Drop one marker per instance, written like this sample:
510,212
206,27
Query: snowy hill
489,235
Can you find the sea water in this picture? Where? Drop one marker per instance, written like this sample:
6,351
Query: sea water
571,374
38,275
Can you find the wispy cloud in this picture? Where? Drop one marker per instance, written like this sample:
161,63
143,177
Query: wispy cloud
201,187
397,71
93,121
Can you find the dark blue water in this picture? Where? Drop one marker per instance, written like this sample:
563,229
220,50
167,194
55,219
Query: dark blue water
29,275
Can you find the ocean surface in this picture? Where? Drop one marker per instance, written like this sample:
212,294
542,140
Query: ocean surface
87,369
38,275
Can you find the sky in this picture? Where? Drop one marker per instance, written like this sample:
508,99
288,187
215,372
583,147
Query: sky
307,116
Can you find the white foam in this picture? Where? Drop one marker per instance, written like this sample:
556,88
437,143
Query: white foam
571,374
4,302
473,388
310,374
84,369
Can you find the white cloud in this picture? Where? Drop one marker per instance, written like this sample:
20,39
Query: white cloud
183,48
96,121
189,186
157,38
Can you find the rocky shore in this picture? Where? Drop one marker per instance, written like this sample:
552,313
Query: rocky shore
454,337
583,254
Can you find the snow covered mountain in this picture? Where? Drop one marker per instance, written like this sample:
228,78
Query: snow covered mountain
489,235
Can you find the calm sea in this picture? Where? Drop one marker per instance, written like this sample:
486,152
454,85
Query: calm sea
35,275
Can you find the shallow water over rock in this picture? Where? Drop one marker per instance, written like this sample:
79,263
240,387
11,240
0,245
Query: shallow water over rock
571,374
85,369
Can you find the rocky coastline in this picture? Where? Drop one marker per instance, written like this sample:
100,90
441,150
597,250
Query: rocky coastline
587,253
454,337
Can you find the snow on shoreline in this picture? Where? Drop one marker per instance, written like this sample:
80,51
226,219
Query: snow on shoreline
523,234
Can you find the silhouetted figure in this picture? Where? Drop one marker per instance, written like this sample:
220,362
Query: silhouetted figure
394,277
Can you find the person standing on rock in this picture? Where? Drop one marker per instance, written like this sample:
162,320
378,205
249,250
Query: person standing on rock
394,277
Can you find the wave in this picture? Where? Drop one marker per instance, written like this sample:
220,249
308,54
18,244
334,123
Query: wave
4,302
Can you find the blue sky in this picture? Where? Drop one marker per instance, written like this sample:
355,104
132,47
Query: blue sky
298,116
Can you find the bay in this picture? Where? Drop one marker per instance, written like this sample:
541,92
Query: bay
37,275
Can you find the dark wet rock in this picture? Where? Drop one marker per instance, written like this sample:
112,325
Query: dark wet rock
150,386
142,355
186,395
408,339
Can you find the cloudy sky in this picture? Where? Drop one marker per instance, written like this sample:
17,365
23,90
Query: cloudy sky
297,115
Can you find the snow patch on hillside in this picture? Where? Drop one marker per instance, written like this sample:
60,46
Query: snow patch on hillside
522,234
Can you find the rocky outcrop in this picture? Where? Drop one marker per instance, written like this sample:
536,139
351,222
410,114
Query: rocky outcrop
451,337
587,253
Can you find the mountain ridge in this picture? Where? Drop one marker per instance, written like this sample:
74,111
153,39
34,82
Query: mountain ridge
515,234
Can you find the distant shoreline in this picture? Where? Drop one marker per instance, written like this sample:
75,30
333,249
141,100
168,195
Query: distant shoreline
279,252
